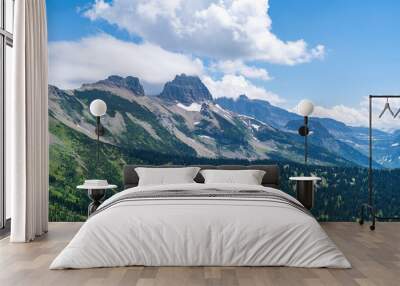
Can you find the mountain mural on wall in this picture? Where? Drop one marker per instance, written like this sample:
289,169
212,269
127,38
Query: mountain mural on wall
185,119
180,127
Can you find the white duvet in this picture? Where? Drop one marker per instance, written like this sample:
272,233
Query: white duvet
200,231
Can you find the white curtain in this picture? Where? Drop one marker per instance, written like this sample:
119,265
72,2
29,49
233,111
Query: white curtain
27,124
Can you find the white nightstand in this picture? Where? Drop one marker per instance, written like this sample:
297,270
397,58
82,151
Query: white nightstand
96,194
305,190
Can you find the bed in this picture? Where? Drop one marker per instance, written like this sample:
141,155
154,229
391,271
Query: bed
197,224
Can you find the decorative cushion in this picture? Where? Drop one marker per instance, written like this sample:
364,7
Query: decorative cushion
163,176
247,177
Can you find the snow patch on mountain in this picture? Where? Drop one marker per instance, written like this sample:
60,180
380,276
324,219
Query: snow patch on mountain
205,136
225,113
195,107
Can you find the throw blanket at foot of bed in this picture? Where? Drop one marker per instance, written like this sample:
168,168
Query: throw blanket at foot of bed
203,225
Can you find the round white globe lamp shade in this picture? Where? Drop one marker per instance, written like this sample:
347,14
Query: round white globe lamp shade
305,107
98,107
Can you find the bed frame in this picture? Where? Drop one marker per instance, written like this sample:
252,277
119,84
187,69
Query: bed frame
270,179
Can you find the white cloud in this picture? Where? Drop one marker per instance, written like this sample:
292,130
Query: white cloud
93,58
359,116
219,29
237,67
98,7
345,114
232,86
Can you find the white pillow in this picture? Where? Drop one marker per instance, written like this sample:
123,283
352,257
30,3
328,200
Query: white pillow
247,177
166,176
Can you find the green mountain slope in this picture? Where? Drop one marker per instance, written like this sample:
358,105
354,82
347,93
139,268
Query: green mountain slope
134,133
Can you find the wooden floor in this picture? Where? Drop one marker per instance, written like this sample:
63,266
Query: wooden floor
375,257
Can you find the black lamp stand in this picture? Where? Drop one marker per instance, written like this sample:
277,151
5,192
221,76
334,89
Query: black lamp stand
99,132
304,131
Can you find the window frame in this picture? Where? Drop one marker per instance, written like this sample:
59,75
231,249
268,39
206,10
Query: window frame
6,39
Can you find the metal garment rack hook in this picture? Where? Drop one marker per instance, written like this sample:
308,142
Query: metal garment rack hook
387,107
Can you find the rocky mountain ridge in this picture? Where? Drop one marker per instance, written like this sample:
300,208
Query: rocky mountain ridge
186,90
129,83
386,148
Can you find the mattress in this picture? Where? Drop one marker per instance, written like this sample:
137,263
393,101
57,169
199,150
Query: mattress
201,225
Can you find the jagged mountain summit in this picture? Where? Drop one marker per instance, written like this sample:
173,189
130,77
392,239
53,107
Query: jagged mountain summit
129,83
186,90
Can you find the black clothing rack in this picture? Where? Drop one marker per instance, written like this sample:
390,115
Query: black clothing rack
370,206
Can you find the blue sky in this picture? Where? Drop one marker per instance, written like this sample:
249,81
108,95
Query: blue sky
360,55
362,38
